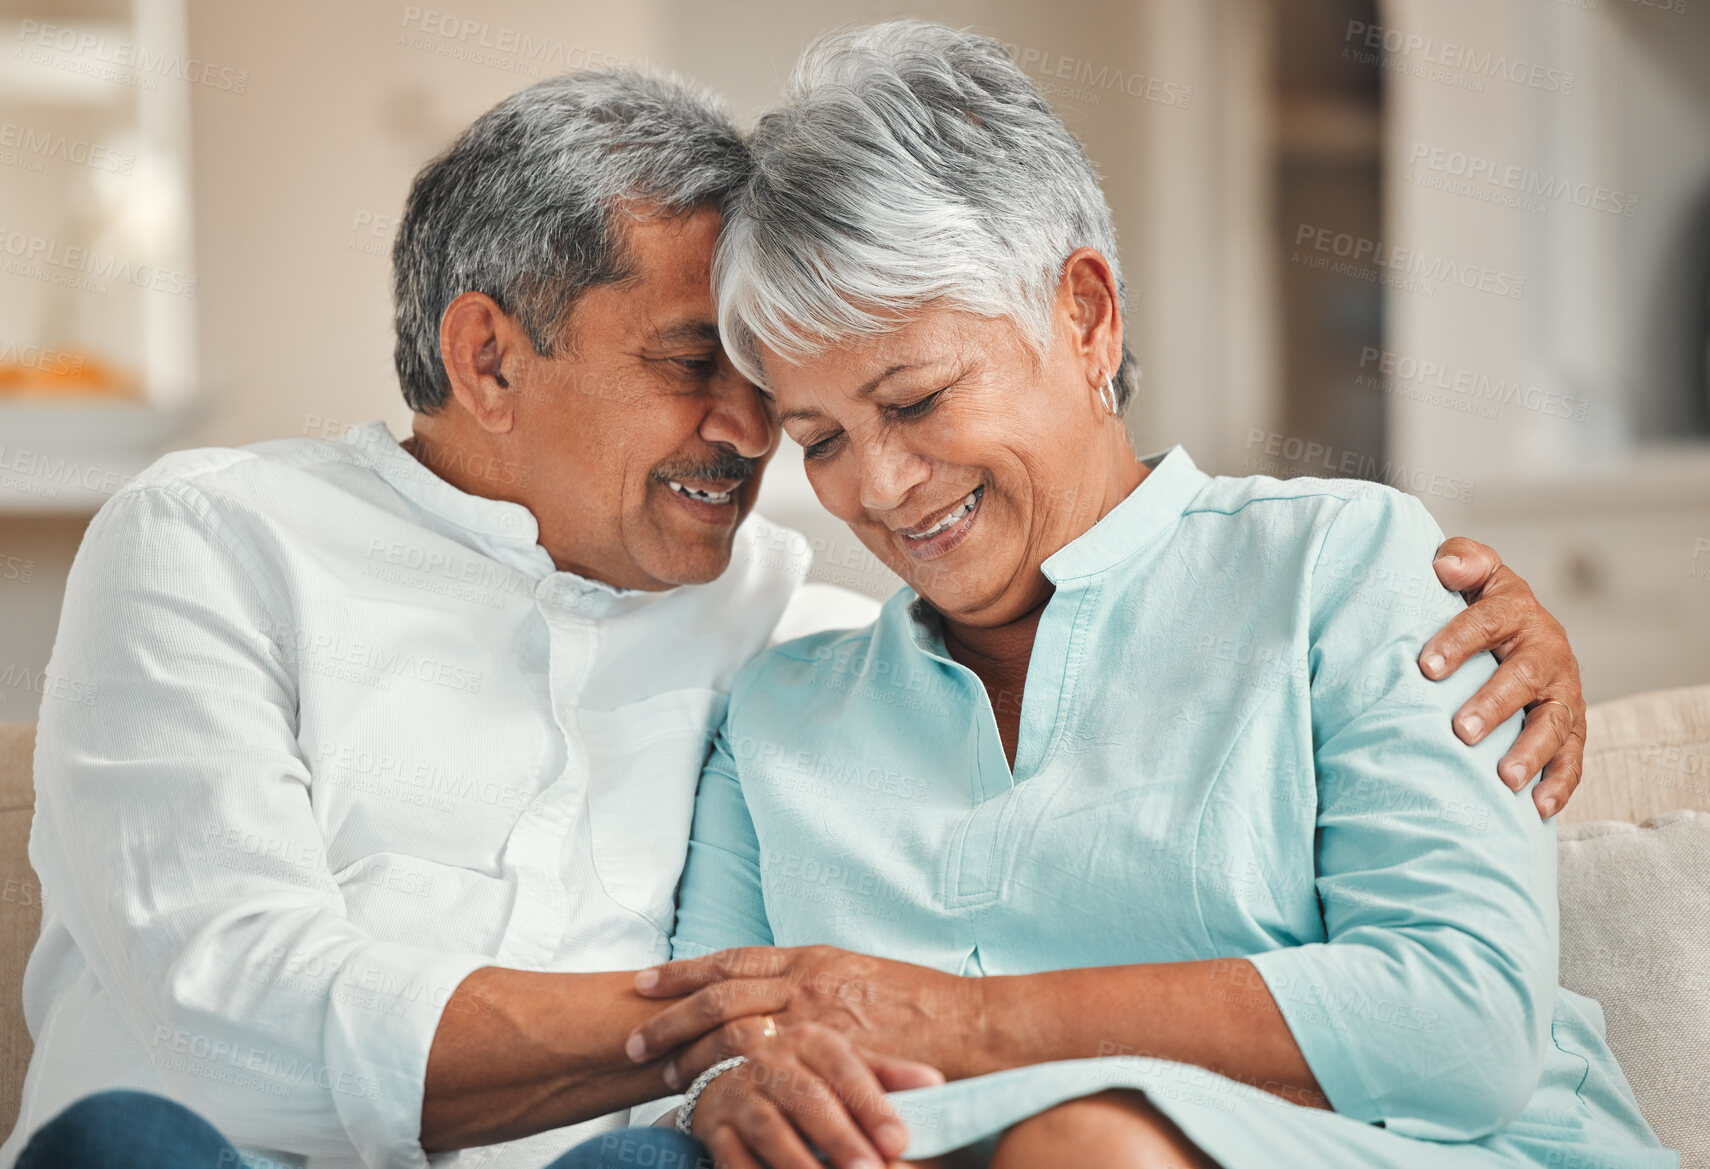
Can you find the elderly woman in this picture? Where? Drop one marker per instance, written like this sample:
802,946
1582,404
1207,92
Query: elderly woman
1161,843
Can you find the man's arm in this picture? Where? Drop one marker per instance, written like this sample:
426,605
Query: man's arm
520,1051
176,838
1538,671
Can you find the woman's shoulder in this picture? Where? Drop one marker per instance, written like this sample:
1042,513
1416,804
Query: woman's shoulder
1261,514
1305,496
1329,537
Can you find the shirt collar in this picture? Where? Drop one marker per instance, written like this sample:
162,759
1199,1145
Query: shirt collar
1157,503
508,531
497,519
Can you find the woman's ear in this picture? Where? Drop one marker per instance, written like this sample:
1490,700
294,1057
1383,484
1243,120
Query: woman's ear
475,338
1087,297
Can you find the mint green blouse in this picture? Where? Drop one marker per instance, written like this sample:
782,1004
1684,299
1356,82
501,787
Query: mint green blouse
1226,750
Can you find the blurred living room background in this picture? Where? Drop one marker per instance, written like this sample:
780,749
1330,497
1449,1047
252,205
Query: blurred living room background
1461,246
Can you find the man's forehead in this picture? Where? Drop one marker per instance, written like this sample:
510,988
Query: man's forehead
668,292
678,330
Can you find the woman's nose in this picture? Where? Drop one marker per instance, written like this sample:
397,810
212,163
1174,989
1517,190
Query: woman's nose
888,474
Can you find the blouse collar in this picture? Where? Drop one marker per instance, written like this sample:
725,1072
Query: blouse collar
1162,496
1148,510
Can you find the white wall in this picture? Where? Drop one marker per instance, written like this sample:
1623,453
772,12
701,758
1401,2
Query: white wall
297,182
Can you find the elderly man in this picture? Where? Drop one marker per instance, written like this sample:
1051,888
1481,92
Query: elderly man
395,744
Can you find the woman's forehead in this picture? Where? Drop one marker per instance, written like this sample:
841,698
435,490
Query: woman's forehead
932,342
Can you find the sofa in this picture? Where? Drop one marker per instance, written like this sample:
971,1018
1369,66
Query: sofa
1634,883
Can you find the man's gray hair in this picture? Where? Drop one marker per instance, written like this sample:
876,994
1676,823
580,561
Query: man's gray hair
528,205
909,164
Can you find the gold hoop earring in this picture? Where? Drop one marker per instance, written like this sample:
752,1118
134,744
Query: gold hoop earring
1107,396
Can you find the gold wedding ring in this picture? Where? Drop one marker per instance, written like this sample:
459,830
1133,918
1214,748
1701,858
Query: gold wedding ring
769,1032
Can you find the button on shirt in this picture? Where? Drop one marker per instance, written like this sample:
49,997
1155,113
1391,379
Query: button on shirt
327,735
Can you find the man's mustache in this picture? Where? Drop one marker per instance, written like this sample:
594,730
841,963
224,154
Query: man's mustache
717,466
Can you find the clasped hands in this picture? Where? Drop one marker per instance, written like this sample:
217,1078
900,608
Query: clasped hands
842,1023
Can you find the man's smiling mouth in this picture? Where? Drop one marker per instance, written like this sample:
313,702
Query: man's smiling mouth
703,494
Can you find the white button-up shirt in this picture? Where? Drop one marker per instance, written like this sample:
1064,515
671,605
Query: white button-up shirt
323,735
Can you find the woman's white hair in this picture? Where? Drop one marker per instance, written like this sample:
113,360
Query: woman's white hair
909,165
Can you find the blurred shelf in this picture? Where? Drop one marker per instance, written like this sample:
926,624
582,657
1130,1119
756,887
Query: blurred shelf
64,457
1619,553
1325,128
1667,477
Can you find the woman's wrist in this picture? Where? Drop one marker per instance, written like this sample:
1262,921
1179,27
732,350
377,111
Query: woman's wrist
1009,1023
976,1041
686,1110
991,1026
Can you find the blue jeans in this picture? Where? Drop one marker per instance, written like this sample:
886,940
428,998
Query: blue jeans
138,1130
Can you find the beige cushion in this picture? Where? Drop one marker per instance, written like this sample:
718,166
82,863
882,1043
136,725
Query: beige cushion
20,911
1636,937
1645,755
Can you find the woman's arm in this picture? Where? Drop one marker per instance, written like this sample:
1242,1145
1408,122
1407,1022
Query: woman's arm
1427,1004
1215,1014
720,902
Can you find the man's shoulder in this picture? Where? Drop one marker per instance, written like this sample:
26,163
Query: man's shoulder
231,497
819,608
845,636
238,468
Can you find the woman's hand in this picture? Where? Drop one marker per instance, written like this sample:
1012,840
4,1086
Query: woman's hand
810,1088
889,1008
1538,671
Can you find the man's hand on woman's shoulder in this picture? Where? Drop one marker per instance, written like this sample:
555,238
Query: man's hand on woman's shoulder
1538,671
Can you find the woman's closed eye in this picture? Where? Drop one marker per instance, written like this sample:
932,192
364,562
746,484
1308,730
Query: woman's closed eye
826,445
820,448
916,409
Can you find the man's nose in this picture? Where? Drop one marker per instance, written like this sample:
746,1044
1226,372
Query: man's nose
739,418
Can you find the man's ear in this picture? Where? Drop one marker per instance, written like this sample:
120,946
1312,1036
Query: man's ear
477,340
1088,294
